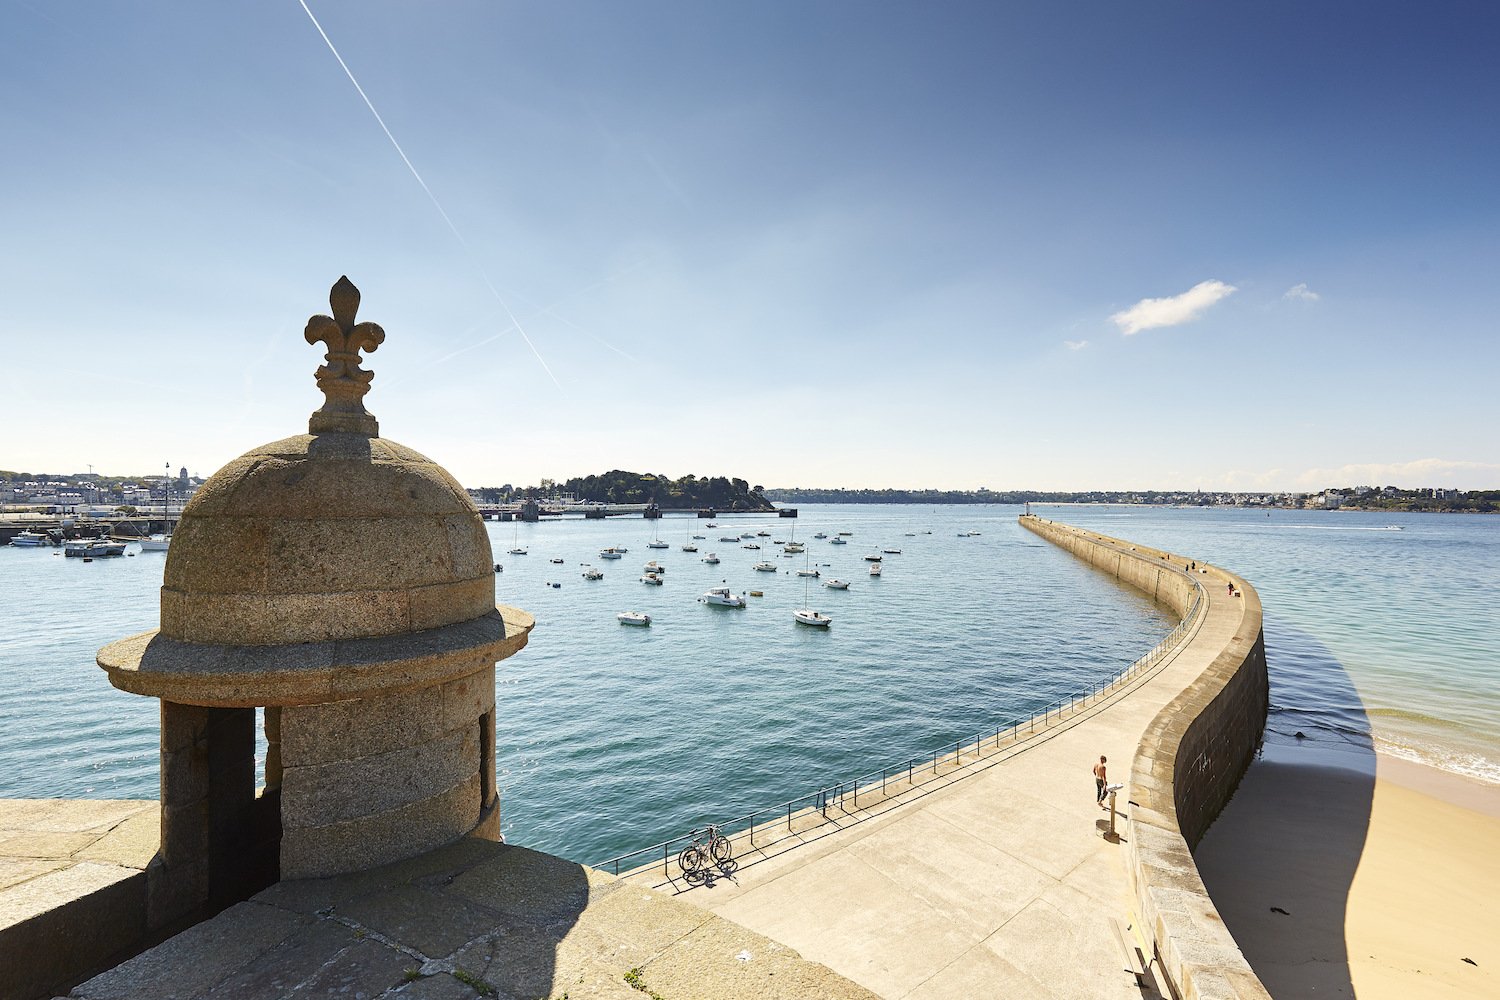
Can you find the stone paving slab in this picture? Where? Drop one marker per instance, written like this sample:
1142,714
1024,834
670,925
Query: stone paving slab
473,919
72,887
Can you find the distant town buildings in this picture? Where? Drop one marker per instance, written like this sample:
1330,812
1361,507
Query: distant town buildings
97,495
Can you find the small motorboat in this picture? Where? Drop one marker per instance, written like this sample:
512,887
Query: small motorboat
556,561
846,534
873,557
653,567
750,545
711,559
821,534
652,579
710,524
809,572
156,543
729,538
697,538
891,552
94,549
722,597
763,534
836,584
837,541
658,544
31,540
611,552
633,618
764,567
875,569
814,618
590,573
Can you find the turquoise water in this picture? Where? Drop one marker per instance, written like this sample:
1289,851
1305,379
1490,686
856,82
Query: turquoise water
610,738
1374,635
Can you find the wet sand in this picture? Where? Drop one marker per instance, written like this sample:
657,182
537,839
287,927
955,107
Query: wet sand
1388,873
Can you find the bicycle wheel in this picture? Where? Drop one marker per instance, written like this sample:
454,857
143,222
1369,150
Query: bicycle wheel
720,849
692,860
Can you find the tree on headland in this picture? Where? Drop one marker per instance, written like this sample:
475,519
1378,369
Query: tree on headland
689,492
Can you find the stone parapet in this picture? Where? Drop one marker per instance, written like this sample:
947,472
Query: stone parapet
1188,762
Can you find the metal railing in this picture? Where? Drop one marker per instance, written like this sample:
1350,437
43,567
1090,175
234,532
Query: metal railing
843,794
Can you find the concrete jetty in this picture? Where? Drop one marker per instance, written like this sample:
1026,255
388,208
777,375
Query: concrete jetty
1000,881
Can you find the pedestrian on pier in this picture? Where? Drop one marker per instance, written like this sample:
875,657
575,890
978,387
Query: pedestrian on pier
1101,778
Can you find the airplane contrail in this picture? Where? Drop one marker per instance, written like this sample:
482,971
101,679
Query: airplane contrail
430,196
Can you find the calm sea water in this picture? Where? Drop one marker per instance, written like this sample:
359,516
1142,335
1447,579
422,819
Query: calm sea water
1380,628
610,738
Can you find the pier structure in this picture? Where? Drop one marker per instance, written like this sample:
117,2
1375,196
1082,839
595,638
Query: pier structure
995,874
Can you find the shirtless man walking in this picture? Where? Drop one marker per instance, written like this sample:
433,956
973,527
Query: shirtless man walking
1101,778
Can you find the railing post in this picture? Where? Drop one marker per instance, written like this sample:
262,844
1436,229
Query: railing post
666,872
789,816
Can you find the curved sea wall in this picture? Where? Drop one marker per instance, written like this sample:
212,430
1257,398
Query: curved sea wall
1190,758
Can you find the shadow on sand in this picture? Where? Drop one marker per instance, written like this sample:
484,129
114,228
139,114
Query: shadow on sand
1281,858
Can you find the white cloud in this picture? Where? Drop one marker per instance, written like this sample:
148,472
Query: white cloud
1301,291
1148,314
1076,345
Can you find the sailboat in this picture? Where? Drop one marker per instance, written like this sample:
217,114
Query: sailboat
656,542
515,547
161,542
805,615
793,546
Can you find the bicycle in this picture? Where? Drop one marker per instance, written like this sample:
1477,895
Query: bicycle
712,850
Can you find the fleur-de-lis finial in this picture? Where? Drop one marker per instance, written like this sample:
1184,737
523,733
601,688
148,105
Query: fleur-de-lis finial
343,382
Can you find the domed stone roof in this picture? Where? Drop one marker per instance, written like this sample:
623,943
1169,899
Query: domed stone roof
322,537
363,565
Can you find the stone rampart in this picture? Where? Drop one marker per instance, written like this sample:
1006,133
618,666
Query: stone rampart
1189,760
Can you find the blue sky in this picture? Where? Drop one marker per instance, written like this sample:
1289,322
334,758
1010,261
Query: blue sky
1054,246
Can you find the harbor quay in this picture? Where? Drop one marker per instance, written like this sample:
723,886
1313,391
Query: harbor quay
342,584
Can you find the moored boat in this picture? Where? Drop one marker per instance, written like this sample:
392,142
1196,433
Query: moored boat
711,559
31,540
814,618
722,597
836,584
633,618
94,548
611,552
590,573
875,569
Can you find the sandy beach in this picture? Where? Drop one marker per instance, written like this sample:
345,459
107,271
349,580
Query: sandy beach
1375,880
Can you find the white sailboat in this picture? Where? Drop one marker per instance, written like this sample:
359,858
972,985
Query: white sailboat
805,615
515,545
163,541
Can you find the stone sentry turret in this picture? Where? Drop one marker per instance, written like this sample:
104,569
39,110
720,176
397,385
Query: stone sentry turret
344,584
